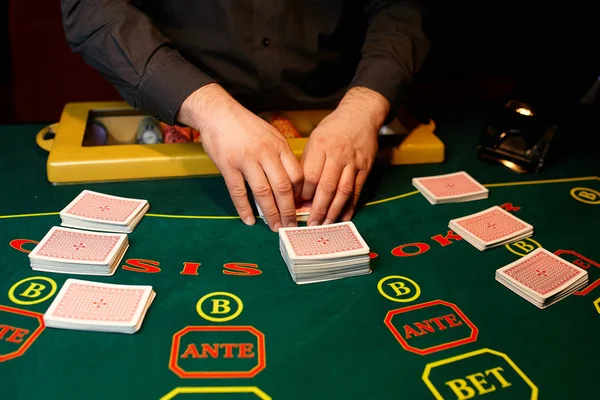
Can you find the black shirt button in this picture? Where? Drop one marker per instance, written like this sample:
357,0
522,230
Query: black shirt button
265,42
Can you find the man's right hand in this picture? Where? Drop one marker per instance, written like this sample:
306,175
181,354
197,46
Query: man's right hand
244,147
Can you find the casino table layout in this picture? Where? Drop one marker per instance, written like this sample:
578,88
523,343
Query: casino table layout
228,322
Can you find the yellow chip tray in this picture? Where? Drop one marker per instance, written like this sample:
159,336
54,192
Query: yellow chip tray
122,159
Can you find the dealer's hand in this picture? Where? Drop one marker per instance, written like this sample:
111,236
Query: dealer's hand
244,147
340,153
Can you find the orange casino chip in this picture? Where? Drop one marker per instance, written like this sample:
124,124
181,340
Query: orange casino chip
179,134
285,127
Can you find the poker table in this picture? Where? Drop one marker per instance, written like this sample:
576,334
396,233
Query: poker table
228,322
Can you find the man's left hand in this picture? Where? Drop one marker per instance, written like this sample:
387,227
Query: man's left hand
339,155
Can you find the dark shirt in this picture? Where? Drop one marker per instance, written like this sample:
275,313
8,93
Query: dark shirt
269,54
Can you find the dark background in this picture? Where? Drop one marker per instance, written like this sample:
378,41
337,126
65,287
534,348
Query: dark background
482,52
4,62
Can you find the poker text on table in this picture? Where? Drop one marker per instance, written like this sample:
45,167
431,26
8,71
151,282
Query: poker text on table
206,64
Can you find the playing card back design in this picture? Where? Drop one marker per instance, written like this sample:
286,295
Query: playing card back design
492,225
326,240
95,303
454,185
303,206
542,273
104,208
78,246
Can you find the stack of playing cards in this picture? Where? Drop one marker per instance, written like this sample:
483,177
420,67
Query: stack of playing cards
72,251
302,210
450,188
102,212
490,228
104,307
322,253
542,278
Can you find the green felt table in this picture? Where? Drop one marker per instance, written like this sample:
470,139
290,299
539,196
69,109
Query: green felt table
228,321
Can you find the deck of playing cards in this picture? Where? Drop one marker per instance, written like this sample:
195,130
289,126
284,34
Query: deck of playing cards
302,210
490,228
104,307
73,251
450,188
542,278
322,253
103,212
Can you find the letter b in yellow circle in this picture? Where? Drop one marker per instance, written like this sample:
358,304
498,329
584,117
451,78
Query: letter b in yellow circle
32,290
219,306
399,289
586,195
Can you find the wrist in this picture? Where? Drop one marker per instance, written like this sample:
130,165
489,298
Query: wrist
365,104
205,105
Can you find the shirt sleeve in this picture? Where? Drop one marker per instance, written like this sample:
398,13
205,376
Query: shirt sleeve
394,49
121,42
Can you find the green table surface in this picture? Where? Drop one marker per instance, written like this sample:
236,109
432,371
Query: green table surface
459,335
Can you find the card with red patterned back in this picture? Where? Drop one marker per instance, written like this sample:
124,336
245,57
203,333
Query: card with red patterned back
93,206
303,206
542,272
329,240
451,185
72,245
493,225
99,303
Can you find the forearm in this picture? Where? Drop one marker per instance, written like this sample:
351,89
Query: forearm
206,104
394,50
365,104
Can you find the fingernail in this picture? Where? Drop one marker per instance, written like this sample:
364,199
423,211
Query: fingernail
276,226
327,222
292,225
313,223
249,220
